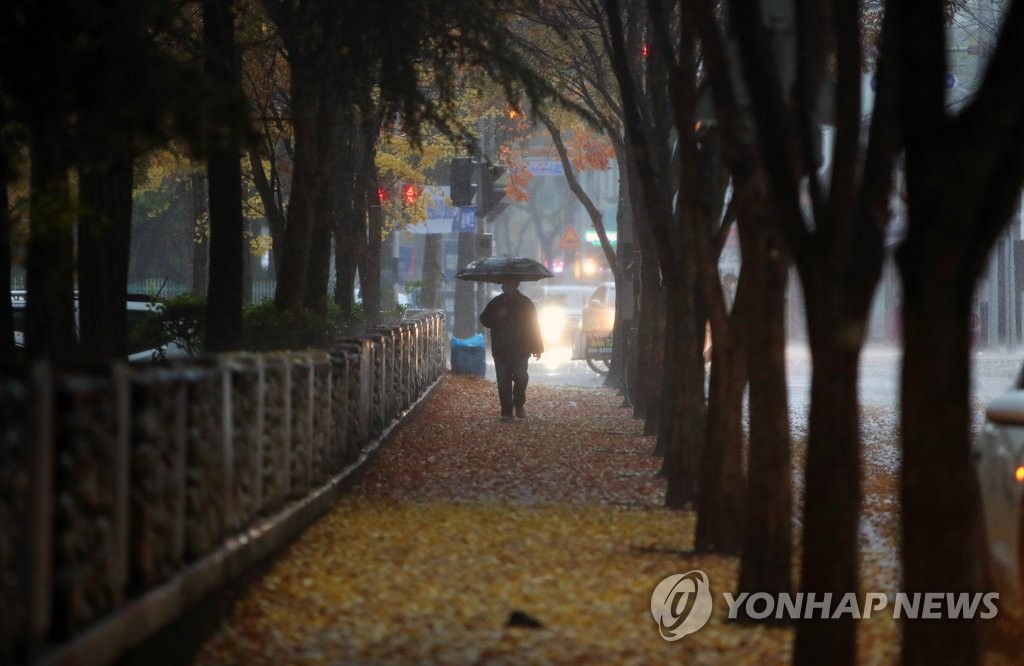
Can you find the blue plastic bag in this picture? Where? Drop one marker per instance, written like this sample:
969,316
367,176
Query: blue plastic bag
469,355
472,341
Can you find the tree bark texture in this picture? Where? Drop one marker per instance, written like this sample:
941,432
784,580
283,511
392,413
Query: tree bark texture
831,479
939,492
6,311
433,258
341,152
682,421
766,560
307,180
104,239
50,324
721,489
963,175
369,270
224,169
650,346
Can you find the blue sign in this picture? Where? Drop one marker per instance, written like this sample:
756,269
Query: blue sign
465,219
544,167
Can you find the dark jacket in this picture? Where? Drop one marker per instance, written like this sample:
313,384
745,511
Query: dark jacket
517,334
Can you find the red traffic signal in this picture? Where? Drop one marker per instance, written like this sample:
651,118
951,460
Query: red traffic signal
382,194
409,194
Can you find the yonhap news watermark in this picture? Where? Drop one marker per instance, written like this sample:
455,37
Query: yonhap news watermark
682,603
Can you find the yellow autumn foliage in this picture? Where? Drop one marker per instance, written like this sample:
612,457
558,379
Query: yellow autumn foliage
463,520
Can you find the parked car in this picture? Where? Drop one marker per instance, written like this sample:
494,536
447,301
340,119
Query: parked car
559,309
144,343
999,462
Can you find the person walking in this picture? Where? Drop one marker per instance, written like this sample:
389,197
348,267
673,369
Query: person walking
515,336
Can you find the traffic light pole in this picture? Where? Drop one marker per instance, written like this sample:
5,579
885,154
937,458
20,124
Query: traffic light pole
475,244
465,313
463,193
481,221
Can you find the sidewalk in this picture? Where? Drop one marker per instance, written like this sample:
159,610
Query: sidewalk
464,522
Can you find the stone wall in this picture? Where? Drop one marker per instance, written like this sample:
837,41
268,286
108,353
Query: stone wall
128,492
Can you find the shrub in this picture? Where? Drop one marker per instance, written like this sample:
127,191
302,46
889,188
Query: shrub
180,320
264,328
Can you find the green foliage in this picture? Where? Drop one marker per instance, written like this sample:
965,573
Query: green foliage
357,318
180,320
265,327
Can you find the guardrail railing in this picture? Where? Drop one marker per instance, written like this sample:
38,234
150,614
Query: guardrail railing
128,492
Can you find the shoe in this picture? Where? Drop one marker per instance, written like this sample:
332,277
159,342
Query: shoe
506,417
521,412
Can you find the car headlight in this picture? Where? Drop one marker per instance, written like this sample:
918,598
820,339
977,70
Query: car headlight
552,321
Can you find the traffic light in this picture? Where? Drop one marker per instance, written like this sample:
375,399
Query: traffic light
462,188
409,194
491,193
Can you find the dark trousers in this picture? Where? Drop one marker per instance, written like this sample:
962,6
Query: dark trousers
512,379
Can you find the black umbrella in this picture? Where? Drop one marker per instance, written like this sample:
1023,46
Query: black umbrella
502,269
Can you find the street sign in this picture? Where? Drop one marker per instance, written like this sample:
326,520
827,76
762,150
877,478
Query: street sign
570,239
540,166
595,240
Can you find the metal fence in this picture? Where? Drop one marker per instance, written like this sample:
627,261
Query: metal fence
127,492
262,290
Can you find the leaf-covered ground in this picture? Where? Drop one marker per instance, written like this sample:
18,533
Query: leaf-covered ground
463,520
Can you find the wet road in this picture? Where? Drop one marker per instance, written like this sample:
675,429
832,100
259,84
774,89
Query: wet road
557,367
994,371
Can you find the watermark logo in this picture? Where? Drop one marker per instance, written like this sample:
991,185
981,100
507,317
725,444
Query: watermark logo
681,604
828,606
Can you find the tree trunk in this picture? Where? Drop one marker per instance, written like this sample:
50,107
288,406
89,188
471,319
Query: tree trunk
345,265
319,268
682,422
336,156
293,258
265,189
832,477
766,561
50,324
350,245
721,487
650,346
224,168
622,373
6,311
939,492
620,330
104,240
433,258
200,236
369,271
